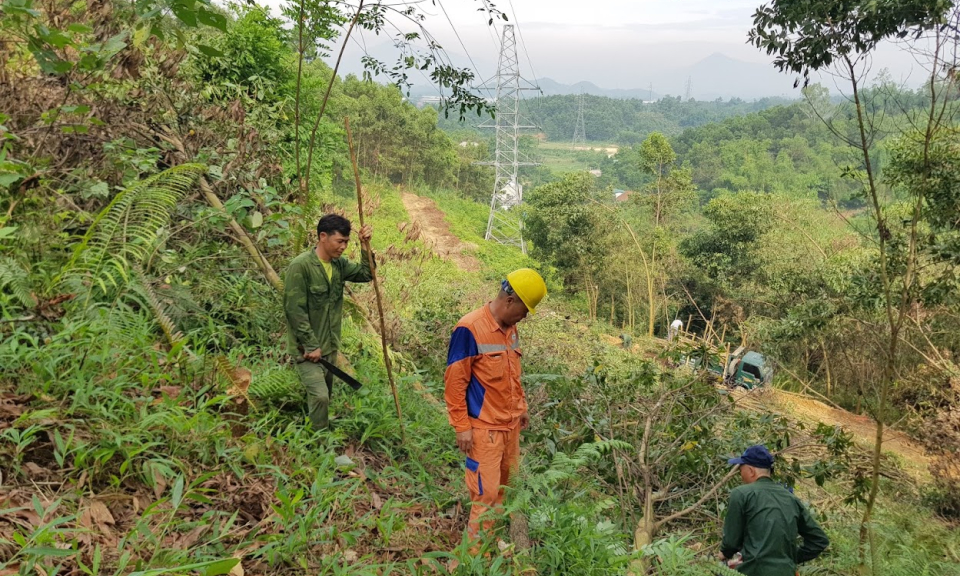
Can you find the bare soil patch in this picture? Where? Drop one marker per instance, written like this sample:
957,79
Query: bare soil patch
911,455
436,232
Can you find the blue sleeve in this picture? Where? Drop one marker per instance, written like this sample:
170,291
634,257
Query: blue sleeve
462,345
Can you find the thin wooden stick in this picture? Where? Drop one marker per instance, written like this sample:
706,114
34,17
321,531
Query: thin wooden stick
376,283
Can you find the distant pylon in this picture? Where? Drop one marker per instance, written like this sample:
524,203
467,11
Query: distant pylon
504,224
580,132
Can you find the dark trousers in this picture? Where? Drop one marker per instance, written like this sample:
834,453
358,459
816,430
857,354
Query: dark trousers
318,382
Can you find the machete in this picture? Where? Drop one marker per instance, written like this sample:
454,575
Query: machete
350,380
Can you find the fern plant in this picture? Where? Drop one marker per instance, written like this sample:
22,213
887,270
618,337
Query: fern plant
127,230
15,279
170,331
280,385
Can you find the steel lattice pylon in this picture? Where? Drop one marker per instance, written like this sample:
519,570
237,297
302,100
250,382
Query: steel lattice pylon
579,133
504,224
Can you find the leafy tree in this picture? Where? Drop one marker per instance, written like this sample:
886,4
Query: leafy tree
726,252
667,193
812,35
317,23
254,53
565,225
806,36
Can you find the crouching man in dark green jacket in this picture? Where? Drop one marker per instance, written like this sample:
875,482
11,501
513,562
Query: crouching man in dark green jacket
313,303
764,521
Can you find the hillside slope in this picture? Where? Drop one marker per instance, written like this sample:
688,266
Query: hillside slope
143,460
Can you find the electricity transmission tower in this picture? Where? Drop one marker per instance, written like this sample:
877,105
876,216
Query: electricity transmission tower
579,133
504,224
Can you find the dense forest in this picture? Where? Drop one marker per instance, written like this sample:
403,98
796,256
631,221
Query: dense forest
785,149
626,122
161,163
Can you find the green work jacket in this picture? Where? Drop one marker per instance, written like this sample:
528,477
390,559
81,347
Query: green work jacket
764,521
314,305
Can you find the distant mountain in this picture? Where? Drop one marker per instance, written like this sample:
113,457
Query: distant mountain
716,76
719,76
551,87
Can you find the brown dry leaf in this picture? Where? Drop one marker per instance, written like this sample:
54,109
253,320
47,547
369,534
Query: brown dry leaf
237,570
241,379
173,392
97,515
190,538
377,502
10,570
11,410
159,483
34,470
25,518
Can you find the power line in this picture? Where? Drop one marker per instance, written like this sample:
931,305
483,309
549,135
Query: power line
476,69
436,87
491,28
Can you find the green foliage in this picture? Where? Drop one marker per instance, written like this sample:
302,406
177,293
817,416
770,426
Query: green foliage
15,280
903,539
173,336
727,251
72,49
784,149
928,172
626,122
673,557
656,154
804,36
279,385
394,140
563,223
253,54
128,229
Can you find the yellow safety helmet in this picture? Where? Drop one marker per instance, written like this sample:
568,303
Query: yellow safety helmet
528,286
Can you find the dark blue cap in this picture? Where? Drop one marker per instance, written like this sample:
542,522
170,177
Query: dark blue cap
757,456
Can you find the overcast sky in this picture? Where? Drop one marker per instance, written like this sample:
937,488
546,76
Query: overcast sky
612,43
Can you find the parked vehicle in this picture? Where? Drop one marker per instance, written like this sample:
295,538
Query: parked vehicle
749,370
745,368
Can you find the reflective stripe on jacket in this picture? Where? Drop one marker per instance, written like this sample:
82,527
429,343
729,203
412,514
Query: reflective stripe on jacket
483,374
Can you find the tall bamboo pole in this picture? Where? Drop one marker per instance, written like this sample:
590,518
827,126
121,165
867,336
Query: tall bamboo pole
376,283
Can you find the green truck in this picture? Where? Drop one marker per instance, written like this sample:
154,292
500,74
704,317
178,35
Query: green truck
747,369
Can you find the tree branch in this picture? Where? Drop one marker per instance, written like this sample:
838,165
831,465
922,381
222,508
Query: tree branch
663,521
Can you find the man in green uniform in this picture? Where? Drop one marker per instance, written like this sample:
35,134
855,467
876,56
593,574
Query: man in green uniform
764,521
313,303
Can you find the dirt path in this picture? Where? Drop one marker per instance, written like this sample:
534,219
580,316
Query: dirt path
910,455
436,232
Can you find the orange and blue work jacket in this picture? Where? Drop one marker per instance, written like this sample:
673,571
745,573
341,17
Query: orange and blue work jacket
482,381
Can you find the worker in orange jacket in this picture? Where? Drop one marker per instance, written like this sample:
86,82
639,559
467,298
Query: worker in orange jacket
485,401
